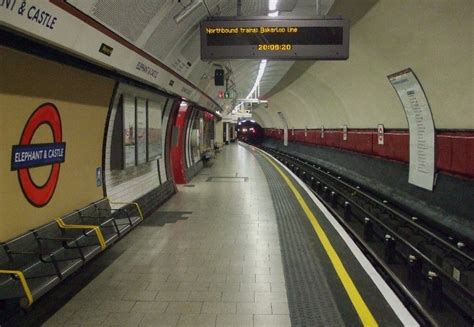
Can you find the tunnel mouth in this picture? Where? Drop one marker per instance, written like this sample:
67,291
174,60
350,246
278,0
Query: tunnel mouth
250,131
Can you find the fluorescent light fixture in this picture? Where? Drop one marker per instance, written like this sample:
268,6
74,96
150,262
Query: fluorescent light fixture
261,70
187,11
272,5
251,101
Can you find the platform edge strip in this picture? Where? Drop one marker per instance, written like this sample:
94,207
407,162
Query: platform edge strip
358,302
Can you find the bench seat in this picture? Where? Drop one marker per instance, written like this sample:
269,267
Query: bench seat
46,255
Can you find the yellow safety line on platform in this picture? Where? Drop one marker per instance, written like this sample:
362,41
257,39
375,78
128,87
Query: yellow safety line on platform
98,232
24,284
362,310
134,203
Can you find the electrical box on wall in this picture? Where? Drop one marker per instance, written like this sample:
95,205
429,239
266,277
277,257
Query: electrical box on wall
219,77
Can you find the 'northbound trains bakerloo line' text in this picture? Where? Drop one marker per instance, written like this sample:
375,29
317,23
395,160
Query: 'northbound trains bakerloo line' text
250,30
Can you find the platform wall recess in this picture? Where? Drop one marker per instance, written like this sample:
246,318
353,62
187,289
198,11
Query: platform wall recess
135,182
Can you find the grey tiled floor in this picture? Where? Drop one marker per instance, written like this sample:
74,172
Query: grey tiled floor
220,267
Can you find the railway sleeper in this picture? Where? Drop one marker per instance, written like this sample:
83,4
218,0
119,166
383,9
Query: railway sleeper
419,273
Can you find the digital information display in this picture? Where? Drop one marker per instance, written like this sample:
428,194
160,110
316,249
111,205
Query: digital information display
275,38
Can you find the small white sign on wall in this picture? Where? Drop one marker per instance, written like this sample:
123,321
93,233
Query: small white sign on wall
305,131
285,127
293,131
98,176
380,134
344,133
322,132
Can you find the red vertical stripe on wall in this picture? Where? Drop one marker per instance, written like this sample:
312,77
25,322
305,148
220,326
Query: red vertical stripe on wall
177,148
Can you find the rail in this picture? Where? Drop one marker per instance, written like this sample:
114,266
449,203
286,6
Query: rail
340,195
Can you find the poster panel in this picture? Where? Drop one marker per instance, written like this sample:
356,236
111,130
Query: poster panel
195,143
154,131
420,125
141,131
128,111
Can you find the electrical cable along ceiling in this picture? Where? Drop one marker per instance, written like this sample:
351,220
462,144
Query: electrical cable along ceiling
169,31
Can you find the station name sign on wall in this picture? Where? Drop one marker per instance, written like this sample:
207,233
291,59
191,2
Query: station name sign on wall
275,38
27,155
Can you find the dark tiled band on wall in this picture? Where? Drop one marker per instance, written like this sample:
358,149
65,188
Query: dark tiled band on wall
153,199
193,170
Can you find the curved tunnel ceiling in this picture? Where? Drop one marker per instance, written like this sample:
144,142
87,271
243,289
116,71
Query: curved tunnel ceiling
150,25
433,37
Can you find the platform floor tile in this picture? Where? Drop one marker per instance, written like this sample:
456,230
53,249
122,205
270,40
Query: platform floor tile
215,261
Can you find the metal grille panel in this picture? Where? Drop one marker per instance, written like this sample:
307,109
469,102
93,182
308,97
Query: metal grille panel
167,33
128,17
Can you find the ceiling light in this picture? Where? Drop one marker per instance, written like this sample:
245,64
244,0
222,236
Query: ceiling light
272,5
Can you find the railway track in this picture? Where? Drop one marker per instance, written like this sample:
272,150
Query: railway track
430,270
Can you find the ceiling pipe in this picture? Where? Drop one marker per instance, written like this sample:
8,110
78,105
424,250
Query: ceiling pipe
187,10
239,7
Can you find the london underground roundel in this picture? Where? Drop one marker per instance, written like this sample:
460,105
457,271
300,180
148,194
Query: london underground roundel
27,155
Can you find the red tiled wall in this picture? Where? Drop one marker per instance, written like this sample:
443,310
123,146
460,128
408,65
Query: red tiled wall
454,150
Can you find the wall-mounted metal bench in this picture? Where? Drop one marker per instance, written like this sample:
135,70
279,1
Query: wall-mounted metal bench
35,262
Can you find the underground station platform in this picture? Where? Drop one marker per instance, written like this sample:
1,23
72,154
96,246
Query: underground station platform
246,243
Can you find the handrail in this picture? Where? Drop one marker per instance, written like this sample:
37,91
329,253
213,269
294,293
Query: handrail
133,203
100,236
24,284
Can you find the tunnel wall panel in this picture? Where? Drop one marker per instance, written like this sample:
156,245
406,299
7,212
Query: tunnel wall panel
454,150
87,107
82,100
76,32
432,37
462,160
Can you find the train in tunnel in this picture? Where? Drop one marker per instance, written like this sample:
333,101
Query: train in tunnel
112,109
249,131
